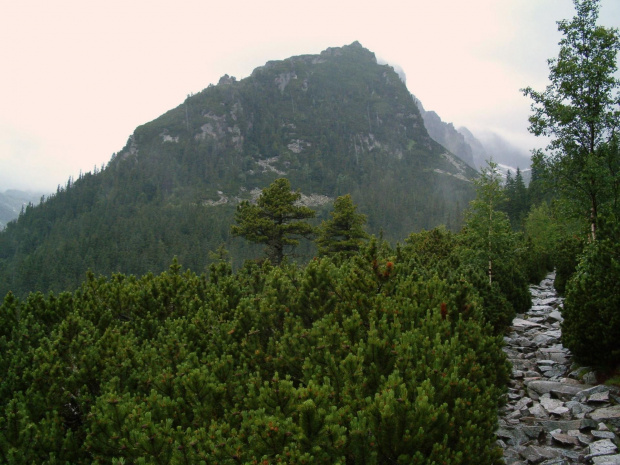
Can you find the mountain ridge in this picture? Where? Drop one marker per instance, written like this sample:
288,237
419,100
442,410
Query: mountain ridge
334,123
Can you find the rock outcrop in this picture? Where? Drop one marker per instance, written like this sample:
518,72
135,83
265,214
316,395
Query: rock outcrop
553,415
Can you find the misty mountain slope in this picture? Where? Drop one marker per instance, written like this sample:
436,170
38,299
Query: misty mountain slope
447,135
333,123
11,203
475,150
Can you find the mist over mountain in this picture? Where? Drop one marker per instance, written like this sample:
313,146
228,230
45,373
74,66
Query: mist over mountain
13,201
476,150
503,151
447,135
333,124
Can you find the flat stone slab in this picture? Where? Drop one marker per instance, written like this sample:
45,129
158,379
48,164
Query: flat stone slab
536,454
514,436
520,323
599,397
607,414
602,447
606,460
567,425
541,308
561,390
551,404
555,315
565,439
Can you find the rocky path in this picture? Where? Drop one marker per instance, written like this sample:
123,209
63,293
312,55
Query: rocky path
553,415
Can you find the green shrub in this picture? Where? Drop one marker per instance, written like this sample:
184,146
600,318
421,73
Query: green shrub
356,362
565,259
591,327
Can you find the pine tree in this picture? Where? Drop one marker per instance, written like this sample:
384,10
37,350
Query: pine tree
275,220
344,232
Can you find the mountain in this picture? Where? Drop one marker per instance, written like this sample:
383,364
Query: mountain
332,123
447,135
504,153
478,150
13,201
475,150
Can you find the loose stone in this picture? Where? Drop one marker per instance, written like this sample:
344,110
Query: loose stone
556,415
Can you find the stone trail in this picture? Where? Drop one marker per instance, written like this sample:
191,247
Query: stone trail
554,415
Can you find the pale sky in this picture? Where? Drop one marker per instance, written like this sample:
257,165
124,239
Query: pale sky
78,76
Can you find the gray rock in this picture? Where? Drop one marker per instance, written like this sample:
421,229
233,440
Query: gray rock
536,454
543,339
513,436
520,323
599,397
602,447
583,438
565,439
590,377
541,309
578,408
608,415
532,432
523,403
545,421
551,404
538,411
603,434
545,362
560,390
587,392
555,373
567,425
606,460
555,315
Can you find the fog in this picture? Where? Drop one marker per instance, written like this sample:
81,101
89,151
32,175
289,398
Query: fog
78,77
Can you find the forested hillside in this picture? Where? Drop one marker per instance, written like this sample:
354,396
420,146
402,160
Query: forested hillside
367,354
333,124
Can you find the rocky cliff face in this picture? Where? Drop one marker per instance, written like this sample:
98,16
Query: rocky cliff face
478,151
447,135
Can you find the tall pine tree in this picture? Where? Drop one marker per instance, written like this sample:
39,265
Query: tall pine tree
276,220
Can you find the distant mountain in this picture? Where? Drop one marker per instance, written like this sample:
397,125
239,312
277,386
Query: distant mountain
13,201
476,150
504,152
479,152
447,135
333,123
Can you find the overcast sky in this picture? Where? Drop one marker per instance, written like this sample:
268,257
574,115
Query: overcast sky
78,76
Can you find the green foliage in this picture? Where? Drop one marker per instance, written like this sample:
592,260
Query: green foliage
517,202
542,234
566,257
591,327
579,112
360,361
344,232
275,220
490,246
